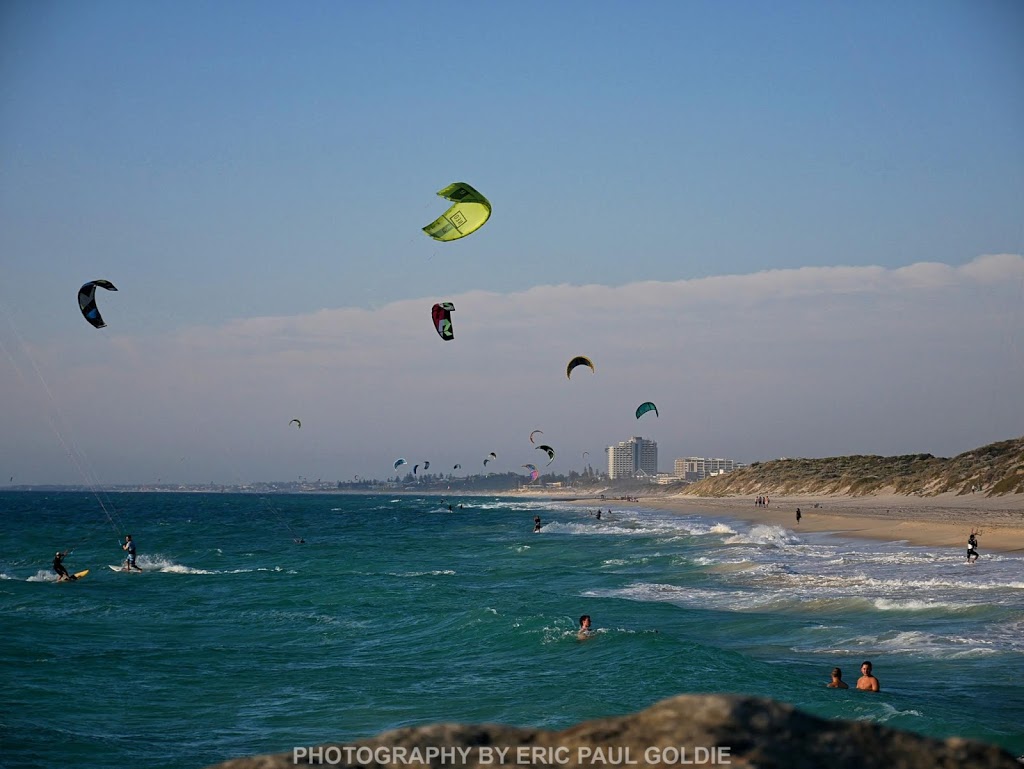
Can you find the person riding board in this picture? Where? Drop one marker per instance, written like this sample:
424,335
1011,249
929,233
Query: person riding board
129,545
58,566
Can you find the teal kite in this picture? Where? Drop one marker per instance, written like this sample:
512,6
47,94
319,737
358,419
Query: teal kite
643,408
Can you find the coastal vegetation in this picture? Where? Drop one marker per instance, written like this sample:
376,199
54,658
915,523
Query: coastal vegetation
993,470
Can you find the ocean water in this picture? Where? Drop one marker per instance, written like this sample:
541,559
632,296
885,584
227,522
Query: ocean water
395,611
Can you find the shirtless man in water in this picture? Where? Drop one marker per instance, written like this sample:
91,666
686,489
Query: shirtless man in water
867,682
837,681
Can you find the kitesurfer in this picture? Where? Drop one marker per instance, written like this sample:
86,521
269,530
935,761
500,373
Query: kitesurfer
837,681
972,547
58,566
129,546
536,523
867,682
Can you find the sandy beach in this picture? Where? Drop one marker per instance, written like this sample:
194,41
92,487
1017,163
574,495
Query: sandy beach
941,521
944,520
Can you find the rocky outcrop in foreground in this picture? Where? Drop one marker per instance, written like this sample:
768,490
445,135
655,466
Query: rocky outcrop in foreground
690,730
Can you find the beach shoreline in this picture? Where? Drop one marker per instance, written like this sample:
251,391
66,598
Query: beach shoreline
943,520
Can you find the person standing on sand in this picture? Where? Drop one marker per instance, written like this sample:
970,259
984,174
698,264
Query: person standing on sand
798,515
837,681
867,682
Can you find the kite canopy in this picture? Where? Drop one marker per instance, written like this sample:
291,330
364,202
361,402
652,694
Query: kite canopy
399,462
579,360
87,301
534,475
468,215
457,467
441,313
550,452
535,432
297,422
643,408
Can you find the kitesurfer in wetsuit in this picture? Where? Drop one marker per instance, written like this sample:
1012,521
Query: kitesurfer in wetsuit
58,566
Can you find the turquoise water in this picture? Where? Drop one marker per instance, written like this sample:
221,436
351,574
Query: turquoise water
396,611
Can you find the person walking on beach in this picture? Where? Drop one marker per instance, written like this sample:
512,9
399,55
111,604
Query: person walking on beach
58,566
798,516
867,682
972,547
584,632
837,681
129,545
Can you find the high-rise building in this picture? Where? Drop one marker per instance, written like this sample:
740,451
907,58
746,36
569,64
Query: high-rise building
637,456
699,468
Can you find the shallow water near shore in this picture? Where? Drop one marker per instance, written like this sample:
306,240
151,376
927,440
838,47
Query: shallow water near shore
236,640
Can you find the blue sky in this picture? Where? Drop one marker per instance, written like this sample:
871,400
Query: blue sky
262,165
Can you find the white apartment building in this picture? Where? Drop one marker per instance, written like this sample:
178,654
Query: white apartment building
699,468
637,456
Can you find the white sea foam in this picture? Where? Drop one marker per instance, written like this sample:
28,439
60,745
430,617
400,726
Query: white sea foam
889,712
167,566
763,534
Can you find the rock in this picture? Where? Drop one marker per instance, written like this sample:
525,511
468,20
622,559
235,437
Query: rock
689,730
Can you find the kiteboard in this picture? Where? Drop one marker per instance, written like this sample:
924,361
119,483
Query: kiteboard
76,575
120,568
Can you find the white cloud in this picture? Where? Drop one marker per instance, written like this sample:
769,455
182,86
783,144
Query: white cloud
811,361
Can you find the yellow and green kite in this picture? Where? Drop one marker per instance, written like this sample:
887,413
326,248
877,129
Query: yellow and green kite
467,215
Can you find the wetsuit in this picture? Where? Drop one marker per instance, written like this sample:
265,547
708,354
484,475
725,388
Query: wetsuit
62,573
972,544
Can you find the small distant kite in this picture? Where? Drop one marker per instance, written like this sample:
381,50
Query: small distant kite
297,422
579,360
466,216
550,452
426,465
87,301
490,456
457,467
534,475
643,408
399,462
415,468
535,432
442,316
